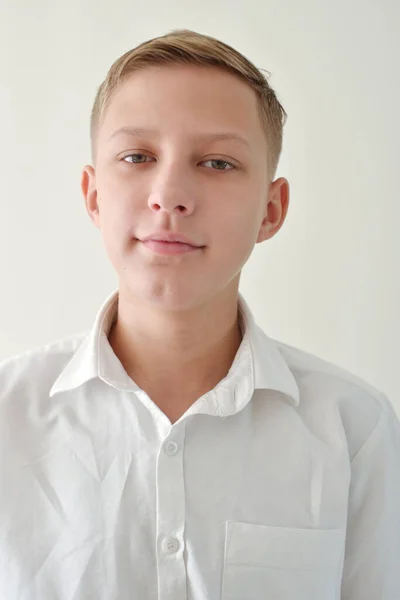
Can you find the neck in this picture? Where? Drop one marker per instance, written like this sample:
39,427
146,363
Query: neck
176,357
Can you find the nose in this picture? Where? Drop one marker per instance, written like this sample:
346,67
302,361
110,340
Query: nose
173,192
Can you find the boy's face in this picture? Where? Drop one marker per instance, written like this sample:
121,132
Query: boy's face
217,193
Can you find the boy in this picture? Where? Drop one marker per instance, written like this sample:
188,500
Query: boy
177,452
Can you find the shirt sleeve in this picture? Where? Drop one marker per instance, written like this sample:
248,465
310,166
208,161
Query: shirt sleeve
372,555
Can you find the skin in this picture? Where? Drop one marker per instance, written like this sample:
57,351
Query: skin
177,330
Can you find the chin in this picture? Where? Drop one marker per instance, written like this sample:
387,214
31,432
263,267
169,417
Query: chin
166,295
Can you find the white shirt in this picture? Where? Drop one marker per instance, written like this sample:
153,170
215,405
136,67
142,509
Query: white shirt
281,483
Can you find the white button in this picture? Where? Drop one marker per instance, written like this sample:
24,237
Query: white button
171,448
170,545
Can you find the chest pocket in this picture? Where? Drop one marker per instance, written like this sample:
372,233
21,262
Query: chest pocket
282,563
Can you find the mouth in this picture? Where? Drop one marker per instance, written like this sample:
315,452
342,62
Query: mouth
169,248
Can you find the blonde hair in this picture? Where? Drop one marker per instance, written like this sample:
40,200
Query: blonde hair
186,47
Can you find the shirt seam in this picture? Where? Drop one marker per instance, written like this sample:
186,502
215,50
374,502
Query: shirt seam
370,437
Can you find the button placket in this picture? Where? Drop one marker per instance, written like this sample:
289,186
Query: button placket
171,516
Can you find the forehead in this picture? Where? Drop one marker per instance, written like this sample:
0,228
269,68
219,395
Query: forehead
184,99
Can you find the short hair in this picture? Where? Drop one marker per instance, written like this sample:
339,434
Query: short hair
186,47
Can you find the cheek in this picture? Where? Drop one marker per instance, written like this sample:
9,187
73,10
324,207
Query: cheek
236,238
242,228
117,193
117,220
118,208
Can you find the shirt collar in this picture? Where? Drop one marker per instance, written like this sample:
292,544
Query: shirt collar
258,363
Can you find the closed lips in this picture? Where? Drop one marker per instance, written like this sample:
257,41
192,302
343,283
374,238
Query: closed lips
171,238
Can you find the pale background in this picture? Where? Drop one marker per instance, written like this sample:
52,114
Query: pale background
328,282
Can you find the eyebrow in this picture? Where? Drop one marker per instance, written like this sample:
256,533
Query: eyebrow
206,137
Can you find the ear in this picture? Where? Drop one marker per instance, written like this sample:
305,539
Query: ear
275,210
89,190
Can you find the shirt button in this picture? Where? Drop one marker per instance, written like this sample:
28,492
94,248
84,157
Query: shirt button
171,448
171,545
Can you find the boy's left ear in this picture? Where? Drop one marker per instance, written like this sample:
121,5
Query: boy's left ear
275,210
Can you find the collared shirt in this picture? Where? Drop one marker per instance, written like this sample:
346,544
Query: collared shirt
282,482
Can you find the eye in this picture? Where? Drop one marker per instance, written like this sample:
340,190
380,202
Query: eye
134,156
220,164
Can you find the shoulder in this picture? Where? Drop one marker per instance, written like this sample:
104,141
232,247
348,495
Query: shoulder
306,365
34,370
332,392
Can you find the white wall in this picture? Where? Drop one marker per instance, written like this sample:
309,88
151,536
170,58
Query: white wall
329,282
